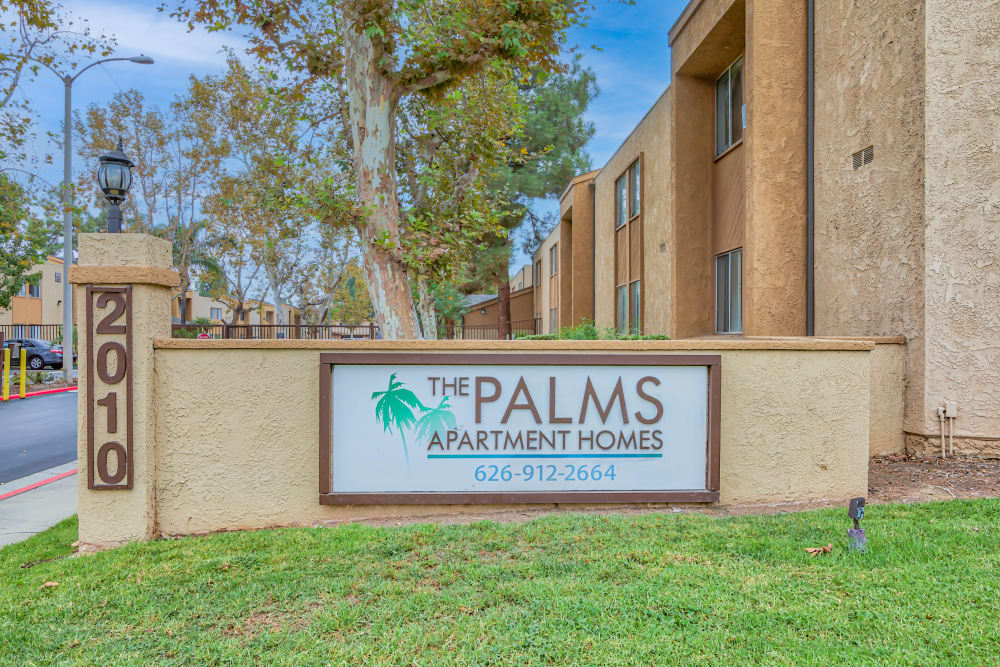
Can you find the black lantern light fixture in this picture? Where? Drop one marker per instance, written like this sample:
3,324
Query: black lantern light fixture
115,177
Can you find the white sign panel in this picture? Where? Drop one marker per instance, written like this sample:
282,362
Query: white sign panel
538,428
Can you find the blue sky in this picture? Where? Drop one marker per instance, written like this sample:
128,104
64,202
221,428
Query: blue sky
631,66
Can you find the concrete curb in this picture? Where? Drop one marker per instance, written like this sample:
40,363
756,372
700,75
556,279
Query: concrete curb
43,482
44,392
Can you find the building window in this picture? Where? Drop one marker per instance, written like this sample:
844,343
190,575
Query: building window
554,260
621,200
633,190
729,292
621,312
58,277
33,291
553,319
536,279
634,326
628,195
215,313
730,112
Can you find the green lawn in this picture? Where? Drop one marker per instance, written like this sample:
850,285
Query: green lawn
581,589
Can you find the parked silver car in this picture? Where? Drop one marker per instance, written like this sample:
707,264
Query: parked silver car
40,353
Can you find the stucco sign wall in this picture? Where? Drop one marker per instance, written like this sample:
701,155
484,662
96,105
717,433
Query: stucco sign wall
427,428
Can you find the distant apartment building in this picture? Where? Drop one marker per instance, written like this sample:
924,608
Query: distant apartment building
37,309
221,310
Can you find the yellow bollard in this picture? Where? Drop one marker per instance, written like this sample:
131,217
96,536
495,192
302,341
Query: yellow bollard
24,371
6,373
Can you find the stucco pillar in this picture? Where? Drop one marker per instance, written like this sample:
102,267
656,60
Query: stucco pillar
774,255
123,286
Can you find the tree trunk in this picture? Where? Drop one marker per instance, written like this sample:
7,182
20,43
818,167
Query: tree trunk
182,298
373,100
275,289
428,318
503,307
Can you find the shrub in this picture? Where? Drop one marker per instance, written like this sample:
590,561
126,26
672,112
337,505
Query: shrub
587,330
194,331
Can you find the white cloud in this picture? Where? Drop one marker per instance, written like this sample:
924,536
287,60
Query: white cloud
140,28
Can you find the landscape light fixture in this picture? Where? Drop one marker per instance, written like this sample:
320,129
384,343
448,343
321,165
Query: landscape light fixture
115,178
856,539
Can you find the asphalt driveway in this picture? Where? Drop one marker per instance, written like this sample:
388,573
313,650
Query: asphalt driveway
36,433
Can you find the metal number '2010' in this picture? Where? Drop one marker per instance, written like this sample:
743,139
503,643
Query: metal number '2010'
109,361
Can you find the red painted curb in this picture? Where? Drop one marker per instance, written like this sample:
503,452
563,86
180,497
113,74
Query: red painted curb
45,391
54,478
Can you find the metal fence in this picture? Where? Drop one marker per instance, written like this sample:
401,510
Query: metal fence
492,331
341,331
46,332
277,331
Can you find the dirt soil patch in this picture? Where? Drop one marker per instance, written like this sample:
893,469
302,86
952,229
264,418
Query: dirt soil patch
900,479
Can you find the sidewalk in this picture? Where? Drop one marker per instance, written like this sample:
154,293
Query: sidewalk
31,512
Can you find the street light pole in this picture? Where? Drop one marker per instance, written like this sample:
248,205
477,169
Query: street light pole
67,328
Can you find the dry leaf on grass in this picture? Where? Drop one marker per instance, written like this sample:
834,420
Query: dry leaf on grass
812,551
49,584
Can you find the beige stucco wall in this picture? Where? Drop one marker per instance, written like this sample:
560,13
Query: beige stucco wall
794,426
886,409
651,138
869,221
961,214
908,244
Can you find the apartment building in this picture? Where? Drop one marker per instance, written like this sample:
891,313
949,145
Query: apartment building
762,197
37,305
522,278
220,310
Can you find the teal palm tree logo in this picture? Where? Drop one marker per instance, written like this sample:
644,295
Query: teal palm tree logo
395,409
435,420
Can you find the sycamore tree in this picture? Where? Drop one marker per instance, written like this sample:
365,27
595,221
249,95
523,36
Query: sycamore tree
24,241
36,35
255,136
448,155
174,172
320,282
350,304
234,233
383,51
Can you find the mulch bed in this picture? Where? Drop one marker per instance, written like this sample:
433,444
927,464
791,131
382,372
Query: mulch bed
899,478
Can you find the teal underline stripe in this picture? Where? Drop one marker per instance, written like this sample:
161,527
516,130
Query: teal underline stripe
544,456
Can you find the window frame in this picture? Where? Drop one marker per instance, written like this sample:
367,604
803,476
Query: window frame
727,74
635,307
621,308
728,330
553,259
621,214
633,172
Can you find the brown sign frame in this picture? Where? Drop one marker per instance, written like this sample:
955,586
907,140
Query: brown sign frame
329,496
92,363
